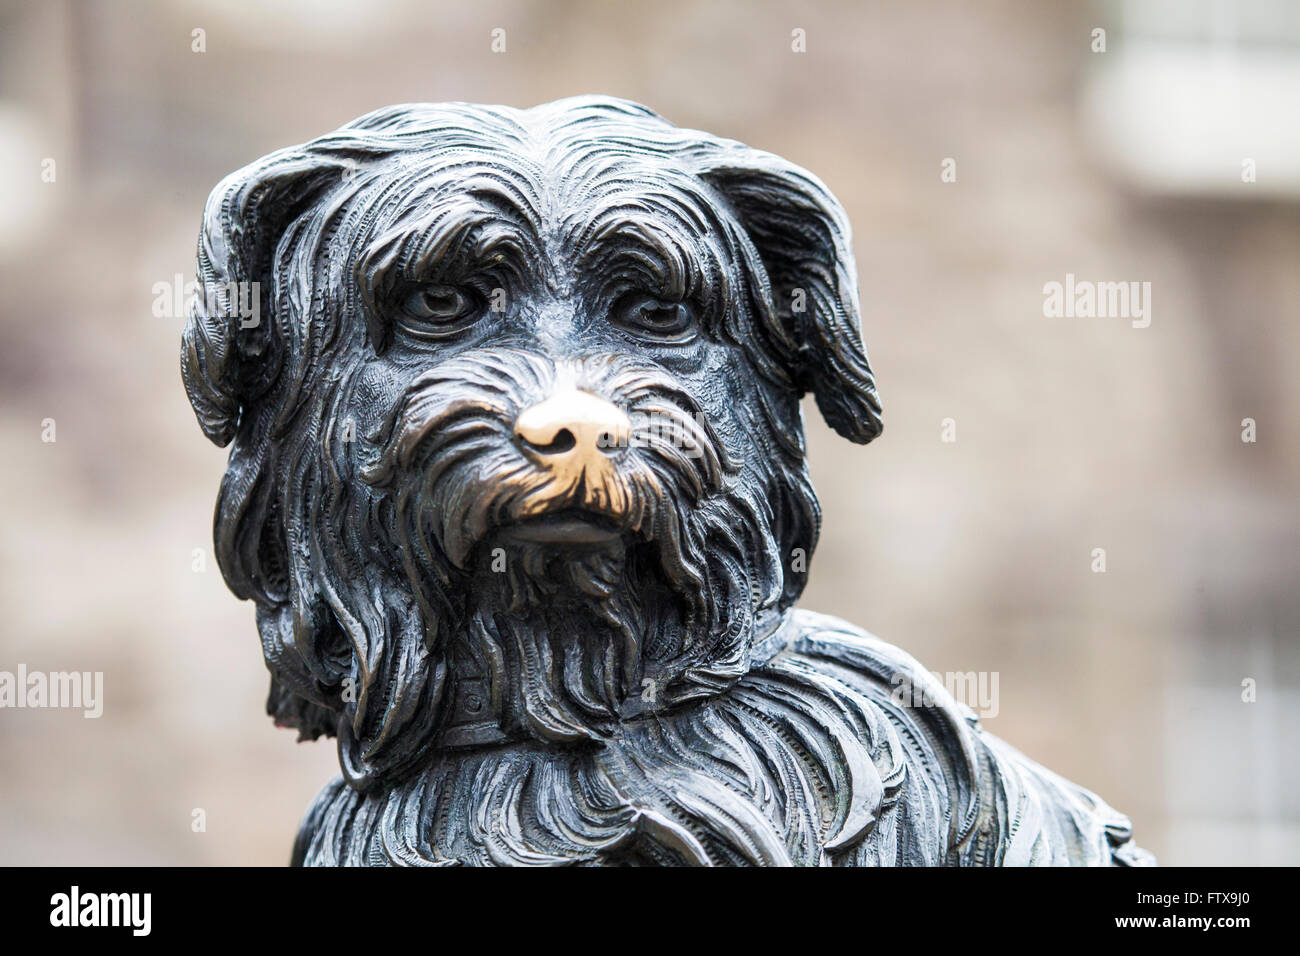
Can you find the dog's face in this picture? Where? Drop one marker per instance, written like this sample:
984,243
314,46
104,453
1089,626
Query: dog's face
518,451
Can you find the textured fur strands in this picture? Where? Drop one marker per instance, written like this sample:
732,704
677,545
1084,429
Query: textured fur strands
808,761
517,485
433,192
572,638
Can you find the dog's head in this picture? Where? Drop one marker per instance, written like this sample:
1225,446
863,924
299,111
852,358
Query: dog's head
514,403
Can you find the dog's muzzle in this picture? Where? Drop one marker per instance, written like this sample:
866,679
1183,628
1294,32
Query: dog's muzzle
508,445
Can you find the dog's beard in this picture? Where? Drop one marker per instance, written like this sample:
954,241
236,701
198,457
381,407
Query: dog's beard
558,636
570,640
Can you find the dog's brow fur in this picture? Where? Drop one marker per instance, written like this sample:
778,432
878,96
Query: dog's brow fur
473,217
449,238
651,237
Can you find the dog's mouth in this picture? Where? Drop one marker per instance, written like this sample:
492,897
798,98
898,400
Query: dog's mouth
567,528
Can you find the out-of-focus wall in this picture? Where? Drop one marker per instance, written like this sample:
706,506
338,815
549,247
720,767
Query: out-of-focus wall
976,555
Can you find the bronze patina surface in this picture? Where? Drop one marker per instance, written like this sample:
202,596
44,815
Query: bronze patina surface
518,488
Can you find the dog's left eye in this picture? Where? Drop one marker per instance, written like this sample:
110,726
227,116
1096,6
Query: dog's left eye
653,318
437,310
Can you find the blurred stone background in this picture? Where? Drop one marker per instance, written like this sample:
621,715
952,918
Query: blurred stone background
974,555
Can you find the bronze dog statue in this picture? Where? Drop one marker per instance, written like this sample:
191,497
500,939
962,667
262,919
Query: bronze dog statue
518,488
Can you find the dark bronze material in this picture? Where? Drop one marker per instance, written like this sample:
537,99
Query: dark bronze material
518,488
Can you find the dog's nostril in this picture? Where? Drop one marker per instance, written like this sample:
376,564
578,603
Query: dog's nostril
573,429
562,441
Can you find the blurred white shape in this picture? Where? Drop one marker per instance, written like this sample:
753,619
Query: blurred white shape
1188,92
25,201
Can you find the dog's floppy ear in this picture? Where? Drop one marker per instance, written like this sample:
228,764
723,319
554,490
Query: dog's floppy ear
228,350
802,236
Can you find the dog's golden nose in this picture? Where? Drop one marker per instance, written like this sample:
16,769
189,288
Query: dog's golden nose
573,429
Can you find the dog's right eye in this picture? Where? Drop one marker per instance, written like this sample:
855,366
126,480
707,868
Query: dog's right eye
651,318
437,311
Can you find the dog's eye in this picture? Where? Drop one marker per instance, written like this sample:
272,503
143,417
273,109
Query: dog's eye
437,310
653,318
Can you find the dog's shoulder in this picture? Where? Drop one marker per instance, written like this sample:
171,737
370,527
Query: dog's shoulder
979,798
